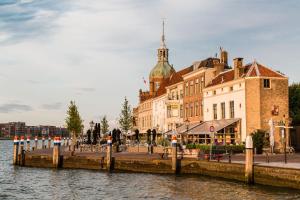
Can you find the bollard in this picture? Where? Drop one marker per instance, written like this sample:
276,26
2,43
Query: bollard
249,175
43,142
56,152
49,142
36,142
174,154
22,151
28,143
16,149
109,154
68,143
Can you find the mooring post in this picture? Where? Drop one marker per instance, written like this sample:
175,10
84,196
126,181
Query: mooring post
43,142
36,142
22,151
28,143
109,153
49,142
174,154
56,152
16,150
249,172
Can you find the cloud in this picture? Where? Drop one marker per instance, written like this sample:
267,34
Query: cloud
53,106
12,107
85,89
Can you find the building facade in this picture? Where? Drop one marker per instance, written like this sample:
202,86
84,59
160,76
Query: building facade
252,94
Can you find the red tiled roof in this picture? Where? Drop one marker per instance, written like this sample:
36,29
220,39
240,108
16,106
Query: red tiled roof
222,78
176,77
251,70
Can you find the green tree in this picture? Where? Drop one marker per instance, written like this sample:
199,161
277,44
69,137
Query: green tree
125,120
294,103
104,125
74,123
259,140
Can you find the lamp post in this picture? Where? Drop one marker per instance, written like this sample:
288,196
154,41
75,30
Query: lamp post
92,126
187,124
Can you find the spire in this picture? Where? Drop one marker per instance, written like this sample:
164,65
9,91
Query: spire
162,43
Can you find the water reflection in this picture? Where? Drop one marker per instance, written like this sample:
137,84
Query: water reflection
34,183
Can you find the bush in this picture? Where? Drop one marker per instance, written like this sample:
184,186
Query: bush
163,142
258,138
217,148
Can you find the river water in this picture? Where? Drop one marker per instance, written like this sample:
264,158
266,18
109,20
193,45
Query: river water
34,183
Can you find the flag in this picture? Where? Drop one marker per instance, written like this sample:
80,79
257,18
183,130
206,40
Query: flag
145,82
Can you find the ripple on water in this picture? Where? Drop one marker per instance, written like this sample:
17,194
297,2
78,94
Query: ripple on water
34,183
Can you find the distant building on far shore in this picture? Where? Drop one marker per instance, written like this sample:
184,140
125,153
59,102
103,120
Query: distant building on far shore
19,128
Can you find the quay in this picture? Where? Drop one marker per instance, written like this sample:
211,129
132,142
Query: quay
137,159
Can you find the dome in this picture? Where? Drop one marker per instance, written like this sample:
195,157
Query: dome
161,70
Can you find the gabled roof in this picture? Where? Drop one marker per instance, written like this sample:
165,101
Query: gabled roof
251,70
175,78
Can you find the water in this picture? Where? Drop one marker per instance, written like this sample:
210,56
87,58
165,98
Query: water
34,183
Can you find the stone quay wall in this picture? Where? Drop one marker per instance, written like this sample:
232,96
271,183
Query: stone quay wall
274,176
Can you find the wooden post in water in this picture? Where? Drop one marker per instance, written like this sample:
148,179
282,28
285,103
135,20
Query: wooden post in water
49,142
43,142
249,172
36,142
22,151
174,154
28,143
16,150
56,152
109,153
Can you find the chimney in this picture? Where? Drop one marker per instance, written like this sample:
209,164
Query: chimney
223,56
238,67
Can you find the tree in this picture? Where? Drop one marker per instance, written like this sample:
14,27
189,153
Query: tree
89,141
74,123
294,103
259,140
104,125
125,120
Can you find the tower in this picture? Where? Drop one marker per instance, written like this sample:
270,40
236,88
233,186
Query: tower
162,69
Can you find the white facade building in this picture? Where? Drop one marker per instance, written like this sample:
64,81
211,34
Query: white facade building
159,113
226,101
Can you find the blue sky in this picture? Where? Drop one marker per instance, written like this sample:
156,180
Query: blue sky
96,52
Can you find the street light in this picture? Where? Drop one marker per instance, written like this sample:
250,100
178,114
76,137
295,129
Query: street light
187,124
92,126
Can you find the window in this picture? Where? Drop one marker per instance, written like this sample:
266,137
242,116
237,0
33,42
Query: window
201,108
267,83
231,88
223,110
186,111
215,92
191,88
231,104
201,84
197,109
168,111
197,89
215,111
186,89
181,94
181,111
156,86
191,110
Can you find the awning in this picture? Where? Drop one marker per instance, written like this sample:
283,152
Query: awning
204,128
182,129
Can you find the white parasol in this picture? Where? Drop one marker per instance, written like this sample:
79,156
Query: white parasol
271,124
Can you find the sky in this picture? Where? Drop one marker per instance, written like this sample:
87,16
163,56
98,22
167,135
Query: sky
97,52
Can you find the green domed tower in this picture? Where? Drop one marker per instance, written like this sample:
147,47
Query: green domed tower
162,69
